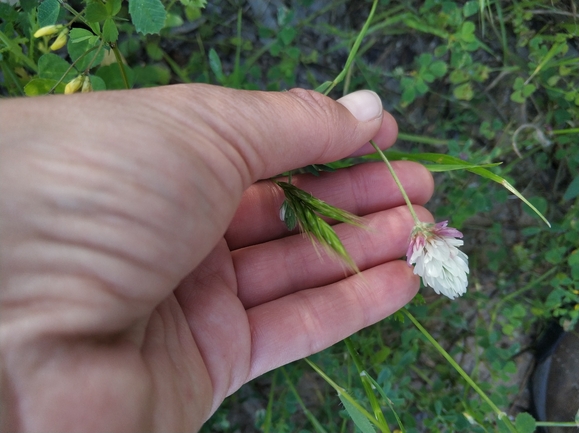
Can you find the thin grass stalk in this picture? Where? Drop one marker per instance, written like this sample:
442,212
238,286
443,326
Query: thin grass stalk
366,383
500,414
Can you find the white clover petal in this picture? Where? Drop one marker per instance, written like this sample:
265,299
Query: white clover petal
437,259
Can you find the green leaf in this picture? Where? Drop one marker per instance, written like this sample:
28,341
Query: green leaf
467,31
173,20
148,16
95,12
525,423
490,175
41,86
110,31
408,95
323,87
80,42
463,92
287,35
470,8
572,190
53,67
438,68
539,202
111,75
528,90
15,49
517,96
438,168
479,170
358,417
113,7
151,75
215,65
556,255
48,12
97,83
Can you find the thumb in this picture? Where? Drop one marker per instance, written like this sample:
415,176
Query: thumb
272,132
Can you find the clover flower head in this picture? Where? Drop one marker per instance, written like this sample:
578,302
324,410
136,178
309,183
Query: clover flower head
433,249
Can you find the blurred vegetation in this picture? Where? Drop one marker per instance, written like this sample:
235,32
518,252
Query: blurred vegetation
485,81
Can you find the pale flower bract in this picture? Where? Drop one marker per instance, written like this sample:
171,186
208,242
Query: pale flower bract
433,249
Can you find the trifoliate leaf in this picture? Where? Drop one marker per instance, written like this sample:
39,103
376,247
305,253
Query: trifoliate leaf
110,31
41,86
48,12
53,67
80,42
148,16
95,12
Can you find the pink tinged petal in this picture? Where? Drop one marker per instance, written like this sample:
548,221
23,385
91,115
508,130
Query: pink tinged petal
442,266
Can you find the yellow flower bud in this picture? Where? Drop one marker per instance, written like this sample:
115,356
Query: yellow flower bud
47,30
74,85
60,40
86,85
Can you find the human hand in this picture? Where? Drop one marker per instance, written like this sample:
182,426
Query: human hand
144,272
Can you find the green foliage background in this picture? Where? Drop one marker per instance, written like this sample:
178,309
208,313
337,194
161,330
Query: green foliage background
485,81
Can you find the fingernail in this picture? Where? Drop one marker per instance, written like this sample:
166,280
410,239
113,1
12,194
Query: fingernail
364,105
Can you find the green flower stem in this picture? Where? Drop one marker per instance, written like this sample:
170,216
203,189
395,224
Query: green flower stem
398,183
500,414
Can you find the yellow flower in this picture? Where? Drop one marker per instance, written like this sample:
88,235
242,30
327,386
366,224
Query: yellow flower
86,85
60,40
47,30
74,85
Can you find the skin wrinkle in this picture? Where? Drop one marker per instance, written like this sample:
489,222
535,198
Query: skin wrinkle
311,101
88,213
229,138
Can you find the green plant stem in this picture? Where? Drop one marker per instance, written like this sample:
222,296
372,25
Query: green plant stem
565,131
366,384
70,68
266,426
556,424
398,183
318,427
500,414
354,50
421,139
119,58
342,392
87,69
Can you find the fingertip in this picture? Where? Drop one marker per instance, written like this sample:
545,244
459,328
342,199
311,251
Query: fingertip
364,105
384,138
